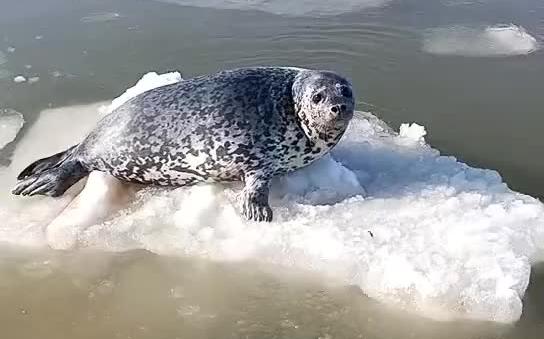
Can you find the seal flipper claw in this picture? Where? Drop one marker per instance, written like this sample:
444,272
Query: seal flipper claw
255,205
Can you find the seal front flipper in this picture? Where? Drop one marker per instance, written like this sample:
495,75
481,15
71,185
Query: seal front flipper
254,196
50,176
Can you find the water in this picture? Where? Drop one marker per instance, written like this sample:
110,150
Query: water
138,295
481,107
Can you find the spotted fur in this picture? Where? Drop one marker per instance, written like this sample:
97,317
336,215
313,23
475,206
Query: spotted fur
247,124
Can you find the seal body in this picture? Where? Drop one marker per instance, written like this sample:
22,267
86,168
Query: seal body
247,124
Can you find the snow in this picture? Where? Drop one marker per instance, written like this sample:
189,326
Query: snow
384,212
10,124
498,40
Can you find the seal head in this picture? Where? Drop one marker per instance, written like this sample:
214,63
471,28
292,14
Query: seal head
324,104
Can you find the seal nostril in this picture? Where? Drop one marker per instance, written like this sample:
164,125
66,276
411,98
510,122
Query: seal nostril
342,108
334,109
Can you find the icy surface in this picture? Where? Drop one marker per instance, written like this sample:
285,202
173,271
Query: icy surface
23,221
499,40
384,212
286,7
10,124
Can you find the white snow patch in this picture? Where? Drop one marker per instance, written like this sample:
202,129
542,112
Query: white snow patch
498,40
286,7
10,123
33,80
384,211
19,79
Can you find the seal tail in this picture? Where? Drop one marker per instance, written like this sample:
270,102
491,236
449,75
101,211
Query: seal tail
50,176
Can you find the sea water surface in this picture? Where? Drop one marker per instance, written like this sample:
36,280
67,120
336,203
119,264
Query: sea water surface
469,71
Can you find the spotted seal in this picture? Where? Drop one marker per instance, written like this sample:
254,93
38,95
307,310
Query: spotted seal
247,124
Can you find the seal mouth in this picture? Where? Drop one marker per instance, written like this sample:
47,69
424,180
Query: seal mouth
344,118
337,126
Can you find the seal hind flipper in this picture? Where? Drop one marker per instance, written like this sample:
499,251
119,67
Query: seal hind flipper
53,181
44,164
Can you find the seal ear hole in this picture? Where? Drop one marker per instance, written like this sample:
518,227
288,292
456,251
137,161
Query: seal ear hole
317,98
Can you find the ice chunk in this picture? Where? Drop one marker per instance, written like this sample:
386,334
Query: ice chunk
101,196
287,7
498,40
18,79
33,80
10,124
385,212
413,132
100,17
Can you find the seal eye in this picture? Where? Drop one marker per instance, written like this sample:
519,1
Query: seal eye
317,98
346,92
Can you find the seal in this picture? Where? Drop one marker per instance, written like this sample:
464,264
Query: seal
246,124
